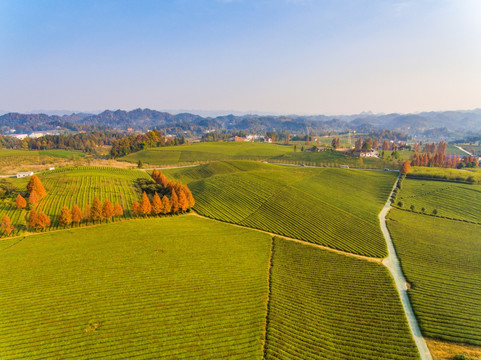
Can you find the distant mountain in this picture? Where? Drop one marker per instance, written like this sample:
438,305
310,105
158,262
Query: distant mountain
421,124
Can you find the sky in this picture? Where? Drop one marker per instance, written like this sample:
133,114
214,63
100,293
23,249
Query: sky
220,56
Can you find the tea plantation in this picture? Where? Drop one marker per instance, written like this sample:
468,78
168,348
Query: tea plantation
332,207
441,259
158,288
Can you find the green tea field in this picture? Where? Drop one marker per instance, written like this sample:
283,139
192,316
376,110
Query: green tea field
223,151
329,306
69,186
169,288
332,207
441,259
447,199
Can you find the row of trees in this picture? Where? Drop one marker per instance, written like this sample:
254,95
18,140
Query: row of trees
440,160
97,212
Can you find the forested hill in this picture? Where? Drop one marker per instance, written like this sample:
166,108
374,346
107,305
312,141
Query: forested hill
442,123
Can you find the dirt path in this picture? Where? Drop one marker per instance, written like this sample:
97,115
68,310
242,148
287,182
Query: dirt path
367,258
460,148
392,263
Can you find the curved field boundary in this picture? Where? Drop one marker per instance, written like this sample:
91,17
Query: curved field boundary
367,258
392,263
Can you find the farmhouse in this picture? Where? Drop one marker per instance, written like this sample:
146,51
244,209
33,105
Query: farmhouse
24,174
367,153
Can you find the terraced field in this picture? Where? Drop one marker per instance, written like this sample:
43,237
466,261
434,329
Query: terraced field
170,288
332,207
69,186
441,259
329,306
450,199
223,151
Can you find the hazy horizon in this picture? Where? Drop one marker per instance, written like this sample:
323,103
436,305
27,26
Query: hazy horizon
215,113
277,57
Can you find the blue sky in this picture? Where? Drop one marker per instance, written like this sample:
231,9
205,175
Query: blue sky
304,56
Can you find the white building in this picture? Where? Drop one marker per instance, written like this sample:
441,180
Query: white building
24,174
19,136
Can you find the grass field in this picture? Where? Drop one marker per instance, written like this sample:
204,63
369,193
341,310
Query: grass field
471,176
441,259
223,151
332,207
450,199
69,186
170,288
329,306
12,161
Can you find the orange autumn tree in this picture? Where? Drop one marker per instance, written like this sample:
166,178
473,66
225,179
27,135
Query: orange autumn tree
157,206
107,210
20,202
42,220
190,197
33,198
136,208
145,205
76,214
166,208
86,214
183,203
118,211
36,184
6,226
32,218
65,218
174,202
405,167
96,210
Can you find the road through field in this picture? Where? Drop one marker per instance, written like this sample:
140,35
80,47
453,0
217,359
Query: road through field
392,263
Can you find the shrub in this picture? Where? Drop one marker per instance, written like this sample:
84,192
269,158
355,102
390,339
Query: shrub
400,204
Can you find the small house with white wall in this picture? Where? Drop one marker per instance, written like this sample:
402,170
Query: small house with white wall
24,174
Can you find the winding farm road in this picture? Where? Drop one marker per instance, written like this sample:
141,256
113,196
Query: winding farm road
460,148
392,263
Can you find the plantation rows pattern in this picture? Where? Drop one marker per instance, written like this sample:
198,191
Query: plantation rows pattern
69,186
293,203
329,306
80,303
451,200
441,259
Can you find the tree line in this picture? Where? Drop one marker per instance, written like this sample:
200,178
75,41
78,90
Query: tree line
134,143
440,160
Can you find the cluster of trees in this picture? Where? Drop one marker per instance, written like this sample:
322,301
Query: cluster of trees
97,212
177,198
133,143
438,159
36,192
87,142
433,149
36,220
336,143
